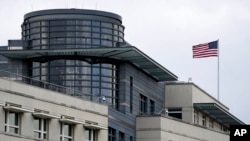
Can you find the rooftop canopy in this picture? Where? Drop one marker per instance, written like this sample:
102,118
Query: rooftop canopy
219,113
130,54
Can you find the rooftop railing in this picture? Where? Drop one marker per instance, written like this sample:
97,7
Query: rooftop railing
43,84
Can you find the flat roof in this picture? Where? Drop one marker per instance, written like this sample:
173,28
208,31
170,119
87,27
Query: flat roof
219,113
198,87
73,11
129,53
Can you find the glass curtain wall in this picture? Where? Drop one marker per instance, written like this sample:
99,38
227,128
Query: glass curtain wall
54,34
93,78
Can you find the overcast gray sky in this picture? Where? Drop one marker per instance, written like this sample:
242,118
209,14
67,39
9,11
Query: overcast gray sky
166,30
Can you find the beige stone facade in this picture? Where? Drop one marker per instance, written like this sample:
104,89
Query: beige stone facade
30,113
159,128
190,114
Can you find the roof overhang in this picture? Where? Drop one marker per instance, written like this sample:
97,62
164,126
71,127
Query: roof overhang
219,113
130,54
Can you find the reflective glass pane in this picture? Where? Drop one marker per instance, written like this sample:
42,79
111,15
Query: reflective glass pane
45,41
70,40
86,22
70,62
70,22
115,26
95,23
106,72
36,124
67,130
96,42
70,34
106,85
36,72
96,35
95,71
96,29
107,79
109,25
106,43
70,77
107,36
106,30
106,92
13,130
13,118
95,92
57,63
87,134
85,70
45,23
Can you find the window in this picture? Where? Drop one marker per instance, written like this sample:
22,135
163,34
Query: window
121,136
12,124
130,138
204,121
90,135
40,128
143,104
66,132
211,124
131,94
152,107
112,133
175,112
196,117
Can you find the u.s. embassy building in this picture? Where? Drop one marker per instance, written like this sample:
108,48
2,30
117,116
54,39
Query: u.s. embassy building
73,77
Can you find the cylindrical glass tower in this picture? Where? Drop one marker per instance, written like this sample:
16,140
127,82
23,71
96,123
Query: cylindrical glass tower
71,29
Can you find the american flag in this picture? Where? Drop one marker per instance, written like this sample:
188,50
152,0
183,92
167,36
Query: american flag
205,50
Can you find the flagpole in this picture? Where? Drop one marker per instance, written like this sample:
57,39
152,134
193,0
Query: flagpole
218,74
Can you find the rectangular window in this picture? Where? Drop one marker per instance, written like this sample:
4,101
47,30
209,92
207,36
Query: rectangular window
143,104
204,121
121,136
131,94
196,117
90,135
112,134
211,124
40,128
66,132
12,124
152,107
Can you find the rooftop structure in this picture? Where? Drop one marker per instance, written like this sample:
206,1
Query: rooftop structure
83,53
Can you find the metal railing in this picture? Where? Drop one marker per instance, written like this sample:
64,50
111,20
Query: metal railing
43,84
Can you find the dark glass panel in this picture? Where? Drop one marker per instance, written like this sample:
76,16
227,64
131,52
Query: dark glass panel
96,42
106,43
106,30
95,23
96,29
108,25
106,36
58,22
